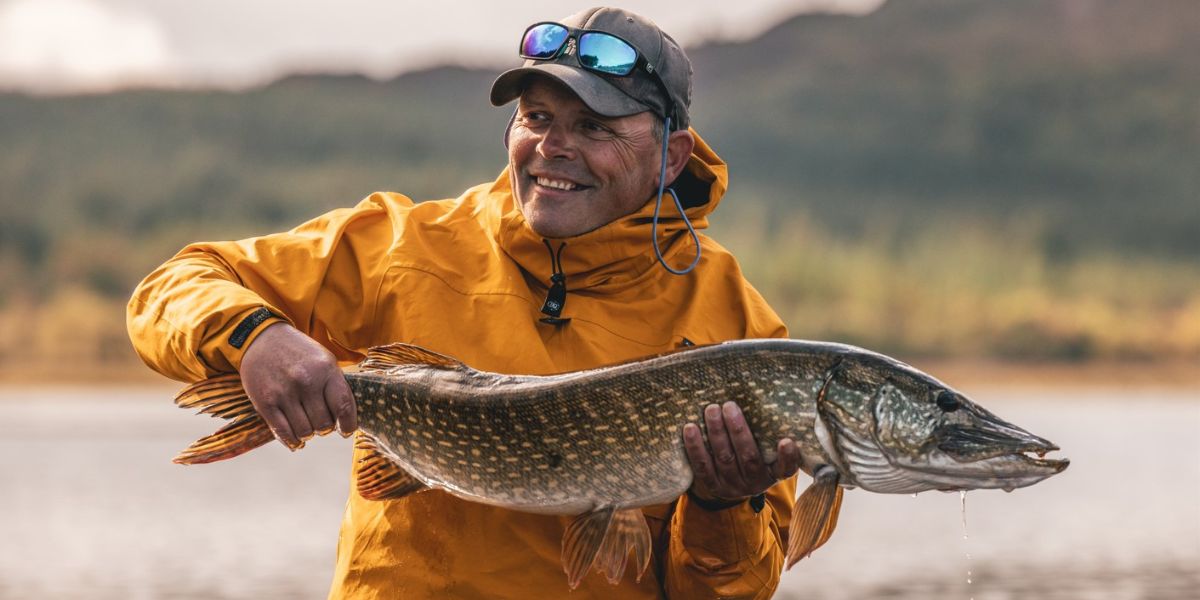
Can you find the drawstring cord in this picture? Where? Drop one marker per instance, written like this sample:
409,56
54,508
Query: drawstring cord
662,182
556,296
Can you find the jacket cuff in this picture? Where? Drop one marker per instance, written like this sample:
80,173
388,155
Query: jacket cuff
756,502
724,536
223,351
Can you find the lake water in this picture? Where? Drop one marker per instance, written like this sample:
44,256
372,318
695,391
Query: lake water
91,507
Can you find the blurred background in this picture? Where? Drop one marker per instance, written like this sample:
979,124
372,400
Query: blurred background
1006,194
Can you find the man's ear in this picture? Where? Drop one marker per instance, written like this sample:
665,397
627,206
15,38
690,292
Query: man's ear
679,149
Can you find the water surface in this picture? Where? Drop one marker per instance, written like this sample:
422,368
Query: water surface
91,507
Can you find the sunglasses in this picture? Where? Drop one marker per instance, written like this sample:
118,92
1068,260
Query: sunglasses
596,51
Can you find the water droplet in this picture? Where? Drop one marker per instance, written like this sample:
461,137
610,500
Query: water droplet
962,496
914,495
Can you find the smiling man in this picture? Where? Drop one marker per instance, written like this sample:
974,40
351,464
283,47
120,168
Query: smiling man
573,169
568,260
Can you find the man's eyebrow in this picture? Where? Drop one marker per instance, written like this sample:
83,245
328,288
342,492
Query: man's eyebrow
527,103
591,114
532,102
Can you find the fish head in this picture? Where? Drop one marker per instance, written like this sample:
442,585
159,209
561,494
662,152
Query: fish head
893,429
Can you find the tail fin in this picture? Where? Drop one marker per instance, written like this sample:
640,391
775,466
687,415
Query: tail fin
223,397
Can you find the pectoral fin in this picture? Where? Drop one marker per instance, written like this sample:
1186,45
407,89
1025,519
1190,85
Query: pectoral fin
602,538
379,478
815,515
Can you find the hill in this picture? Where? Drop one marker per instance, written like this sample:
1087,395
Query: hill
1078,117
972,149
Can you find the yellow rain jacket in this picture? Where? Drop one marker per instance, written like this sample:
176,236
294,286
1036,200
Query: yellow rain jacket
467,278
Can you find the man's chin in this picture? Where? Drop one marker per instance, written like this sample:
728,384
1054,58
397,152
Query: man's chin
549,228
551,219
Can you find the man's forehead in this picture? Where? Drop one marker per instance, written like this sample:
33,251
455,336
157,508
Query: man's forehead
541,90
542,93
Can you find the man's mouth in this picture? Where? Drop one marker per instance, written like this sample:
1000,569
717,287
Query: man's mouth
559,184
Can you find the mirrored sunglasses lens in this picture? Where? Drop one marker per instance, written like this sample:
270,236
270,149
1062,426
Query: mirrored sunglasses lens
605,53
543,41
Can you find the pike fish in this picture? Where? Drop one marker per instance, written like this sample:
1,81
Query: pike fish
600,443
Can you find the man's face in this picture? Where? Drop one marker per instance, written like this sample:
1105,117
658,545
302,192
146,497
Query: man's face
573,170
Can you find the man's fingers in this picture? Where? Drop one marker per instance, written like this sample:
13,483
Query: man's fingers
296,385
297,419
749,459
278,422
315,408
341,405
788,461
724,457
699,457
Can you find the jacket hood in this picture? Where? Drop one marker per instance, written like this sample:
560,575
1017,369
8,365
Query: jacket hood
621,251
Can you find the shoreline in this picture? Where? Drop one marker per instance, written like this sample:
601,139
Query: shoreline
1173,374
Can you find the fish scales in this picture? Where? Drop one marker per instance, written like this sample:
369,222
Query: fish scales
554,444
601,443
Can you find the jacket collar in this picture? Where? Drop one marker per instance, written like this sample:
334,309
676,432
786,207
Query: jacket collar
620,251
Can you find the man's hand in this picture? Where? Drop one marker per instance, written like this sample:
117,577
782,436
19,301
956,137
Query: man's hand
729,468
296,386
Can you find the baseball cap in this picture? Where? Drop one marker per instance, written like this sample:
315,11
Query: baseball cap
615,96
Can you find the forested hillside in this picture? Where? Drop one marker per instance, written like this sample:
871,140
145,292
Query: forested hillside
1015,179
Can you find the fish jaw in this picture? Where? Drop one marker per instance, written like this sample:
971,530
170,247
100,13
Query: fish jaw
995,456
864,464
988,453
1007,472
981,435
990,449
885,442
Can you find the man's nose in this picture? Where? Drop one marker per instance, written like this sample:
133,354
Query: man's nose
556,143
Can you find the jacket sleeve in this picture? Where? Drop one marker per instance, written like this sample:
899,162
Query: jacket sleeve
735,552
195,315
731,553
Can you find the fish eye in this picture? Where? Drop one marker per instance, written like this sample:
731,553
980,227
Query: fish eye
947,401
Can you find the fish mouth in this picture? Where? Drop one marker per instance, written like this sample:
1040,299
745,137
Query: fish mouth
988,436
984,452
881,471
1007,472
1054,465
991,449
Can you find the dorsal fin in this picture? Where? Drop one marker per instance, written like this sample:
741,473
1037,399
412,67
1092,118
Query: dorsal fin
381,358
378,478
675,350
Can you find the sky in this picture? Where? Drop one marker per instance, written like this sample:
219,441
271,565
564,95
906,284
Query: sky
65,46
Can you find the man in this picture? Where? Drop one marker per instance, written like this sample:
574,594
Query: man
550,268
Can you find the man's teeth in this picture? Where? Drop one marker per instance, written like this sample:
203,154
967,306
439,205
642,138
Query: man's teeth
556,184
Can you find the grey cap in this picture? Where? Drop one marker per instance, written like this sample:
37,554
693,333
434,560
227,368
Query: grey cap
614,96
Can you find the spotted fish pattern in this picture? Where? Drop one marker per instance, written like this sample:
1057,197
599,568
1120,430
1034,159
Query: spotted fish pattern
567,443
601,443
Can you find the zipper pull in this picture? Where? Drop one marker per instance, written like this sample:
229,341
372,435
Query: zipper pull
556,297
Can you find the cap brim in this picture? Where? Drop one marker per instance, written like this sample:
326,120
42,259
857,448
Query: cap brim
599,95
